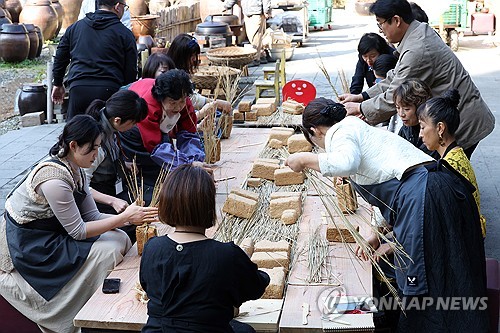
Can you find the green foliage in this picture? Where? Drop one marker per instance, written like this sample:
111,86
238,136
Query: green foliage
37,67
34,64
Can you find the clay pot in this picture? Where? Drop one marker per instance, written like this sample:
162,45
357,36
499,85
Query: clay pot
146,40
40,41
14,42
71,11
137,7
14,7
33,98
5,13
159,50
144,25
4,20
60,14
33,40
3,17
42,14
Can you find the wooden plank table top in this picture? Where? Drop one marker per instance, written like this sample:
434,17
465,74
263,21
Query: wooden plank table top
347,272
123,312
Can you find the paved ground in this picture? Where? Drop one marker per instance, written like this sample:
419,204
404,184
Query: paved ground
337,48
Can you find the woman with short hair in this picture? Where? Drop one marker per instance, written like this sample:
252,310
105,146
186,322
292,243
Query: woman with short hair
194,282
370,46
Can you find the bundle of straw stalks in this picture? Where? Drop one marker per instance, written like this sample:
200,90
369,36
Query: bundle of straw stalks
135,183
341,76
230,87
326,190
211,139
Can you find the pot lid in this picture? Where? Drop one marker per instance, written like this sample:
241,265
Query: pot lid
213,28
226,18
13,28
34,87
29,26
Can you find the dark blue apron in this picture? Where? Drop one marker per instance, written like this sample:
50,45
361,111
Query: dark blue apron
402,204
43,252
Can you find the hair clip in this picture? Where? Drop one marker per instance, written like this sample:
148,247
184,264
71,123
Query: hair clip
193,42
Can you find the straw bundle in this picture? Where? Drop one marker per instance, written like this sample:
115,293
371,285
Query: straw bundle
326,190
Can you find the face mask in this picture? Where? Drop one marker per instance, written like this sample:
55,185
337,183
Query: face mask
168,123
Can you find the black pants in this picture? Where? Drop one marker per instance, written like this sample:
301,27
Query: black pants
80,98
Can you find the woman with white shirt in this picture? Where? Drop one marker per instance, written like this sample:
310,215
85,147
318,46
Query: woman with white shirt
431,210
56,248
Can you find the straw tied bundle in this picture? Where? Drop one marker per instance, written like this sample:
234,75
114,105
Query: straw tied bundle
214,130
136,192
341,76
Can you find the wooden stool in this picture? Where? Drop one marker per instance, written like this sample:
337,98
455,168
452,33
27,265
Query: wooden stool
271,70
262,85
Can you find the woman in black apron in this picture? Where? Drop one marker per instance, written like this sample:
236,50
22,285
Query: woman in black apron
57,248
107,183
429,206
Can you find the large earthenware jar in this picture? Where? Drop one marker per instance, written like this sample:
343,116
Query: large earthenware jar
33,40
144,25
14,7
40,41
42,14
33,98
14,42
4,10
60,14
71,11
137,7
3,17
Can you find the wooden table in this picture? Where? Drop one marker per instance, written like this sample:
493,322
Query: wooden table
353,275
123,312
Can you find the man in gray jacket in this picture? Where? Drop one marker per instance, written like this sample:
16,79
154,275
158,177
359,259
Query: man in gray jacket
256,13
423,55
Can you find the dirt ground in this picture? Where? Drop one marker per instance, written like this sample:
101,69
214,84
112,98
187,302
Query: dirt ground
12,79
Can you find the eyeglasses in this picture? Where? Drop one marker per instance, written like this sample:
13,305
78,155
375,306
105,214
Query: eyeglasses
379,24
125,6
